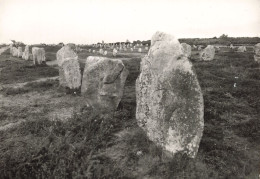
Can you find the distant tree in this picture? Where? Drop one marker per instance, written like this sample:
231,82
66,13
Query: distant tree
223,36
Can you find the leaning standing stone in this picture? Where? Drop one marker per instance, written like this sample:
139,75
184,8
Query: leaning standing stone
103,82
69,69
208,53
38,55
169,99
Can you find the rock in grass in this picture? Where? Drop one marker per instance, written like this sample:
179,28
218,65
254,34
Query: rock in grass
69,69
208,53
241,49
169,99
38,55
103,82
186,48
140,50
26,53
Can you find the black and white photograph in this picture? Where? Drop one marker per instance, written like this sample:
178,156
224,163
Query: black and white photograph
129,89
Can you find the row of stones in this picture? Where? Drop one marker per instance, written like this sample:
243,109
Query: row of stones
115,50
169,99
121,45
170,105
38,54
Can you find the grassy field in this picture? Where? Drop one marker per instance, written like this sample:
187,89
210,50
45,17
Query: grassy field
56,135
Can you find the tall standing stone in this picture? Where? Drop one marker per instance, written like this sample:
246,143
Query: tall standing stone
15,52
169,99
103,82
26,53
208,53
140,50
69,69
186,48
20,52
38,55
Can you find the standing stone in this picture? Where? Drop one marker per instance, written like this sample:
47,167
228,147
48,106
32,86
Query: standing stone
103,82
208,53
105,53
241,49
132,49
69,69
169,99
26,53
94,51
38,55
186,48
20,52
257,52
114,52
15,52
140,50
101,51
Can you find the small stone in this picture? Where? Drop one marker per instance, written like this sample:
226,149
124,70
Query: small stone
208,53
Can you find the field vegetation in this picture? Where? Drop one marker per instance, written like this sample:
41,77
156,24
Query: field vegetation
94,144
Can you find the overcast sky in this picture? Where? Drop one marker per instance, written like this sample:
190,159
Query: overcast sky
91,21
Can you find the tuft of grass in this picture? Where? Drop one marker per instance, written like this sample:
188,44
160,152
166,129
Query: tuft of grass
45,149
31,86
